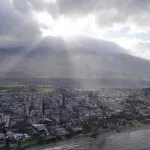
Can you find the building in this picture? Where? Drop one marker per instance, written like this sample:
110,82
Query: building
2,140
39,129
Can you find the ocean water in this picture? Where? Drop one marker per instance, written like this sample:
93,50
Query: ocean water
131,140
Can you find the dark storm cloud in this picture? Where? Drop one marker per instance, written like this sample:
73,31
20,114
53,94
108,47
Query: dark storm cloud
16,23
84,7
40,5
22,5
110,12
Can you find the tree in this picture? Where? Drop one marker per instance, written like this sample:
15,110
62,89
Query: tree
43,108
31,107
86,126
63,100
104,108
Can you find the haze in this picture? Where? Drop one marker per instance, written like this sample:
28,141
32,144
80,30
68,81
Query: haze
58,38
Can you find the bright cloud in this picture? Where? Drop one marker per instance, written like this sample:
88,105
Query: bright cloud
32,19
63,26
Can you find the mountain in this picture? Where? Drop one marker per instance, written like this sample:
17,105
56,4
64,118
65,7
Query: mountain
79,57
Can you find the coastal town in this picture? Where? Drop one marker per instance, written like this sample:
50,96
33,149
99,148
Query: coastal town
41,114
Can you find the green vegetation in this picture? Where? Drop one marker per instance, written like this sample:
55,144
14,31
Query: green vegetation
13,85
33,140
25,89
86,126
28,142
45,90
136,123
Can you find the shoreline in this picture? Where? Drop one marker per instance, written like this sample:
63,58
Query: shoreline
88,135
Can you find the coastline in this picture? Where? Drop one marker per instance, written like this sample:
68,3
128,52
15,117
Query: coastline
88,136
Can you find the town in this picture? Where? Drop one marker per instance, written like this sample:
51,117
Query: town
41,114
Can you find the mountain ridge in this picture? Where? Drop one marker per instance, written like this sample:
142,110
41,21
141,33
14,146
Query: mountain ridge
81,57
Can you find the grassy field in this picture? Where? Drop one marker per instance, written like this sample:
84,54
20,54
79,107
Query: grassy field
45,90
25,89
13,85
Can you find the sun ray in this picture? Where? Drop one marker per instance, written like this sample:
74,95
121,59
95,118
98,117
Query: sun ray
12,61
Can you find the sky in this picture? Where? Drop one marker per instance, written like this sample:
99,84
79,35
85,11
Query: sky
124,22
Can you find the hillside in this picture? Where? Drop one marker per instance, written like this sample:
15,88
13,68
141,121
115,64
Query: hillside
81,57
